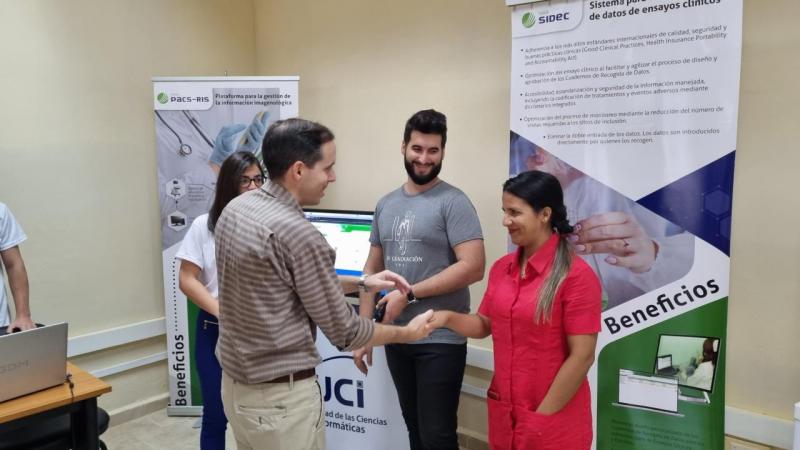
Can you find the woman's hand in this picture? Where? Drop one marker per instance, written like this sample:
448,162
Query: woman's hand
620,236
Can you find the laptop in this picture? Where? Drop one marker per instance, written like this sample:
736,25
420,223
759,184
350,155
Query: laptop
32,360
664,365
649,392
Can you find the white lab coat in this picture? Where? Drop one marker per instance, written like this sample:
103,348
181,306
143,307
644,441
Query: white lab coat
702,376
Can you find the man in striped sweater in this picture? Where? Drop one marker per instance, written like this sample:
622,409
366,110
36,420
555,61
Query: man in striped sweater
277,283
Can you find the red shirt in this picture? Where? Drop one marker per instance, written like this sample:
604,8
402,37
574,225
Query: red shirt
527,355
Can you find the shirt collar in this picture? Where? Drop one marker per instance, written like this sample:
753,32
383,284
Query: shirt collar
539,261
280,194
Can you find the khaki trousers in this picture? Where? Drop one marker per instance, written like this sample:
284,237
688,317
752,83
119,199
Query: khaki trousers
275,416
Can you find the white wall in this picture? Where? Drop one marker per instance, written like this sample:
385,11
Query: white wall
77,148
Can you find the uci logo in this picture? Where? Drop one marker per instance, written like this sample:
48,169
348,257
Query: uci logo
344,391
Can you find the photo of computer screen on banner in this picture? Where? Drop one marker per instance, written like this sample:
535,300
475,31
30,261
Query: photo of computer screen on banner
648,392
691,359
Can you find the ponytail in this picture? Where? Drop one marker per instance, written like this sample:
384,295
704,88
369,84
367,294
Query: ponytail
561,265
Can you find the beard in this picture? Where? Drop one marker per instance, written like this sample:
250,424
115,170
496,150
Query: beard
422,180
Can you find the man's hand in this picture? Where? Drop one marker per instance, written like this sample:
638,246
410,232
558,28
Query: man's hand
385,281
420,326
620,236
396,302
358,359
21,323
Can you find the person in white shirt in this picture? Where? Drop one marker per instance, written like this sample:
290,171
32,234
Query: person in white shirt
11,235
703,376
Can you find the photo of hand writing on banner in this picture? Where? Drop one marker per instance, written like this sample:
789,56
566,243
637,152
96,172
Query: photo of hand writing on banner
631,249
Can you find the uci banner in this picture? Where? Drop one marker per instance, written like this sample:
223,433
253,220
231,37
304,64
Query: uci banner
632,105
193,116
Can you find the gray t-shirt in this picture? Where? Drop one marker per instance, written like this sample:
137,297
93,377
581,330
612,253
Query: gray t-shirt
417,234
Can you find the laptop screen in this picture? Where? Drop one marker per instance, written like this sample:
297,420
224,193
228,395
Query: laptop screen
664,362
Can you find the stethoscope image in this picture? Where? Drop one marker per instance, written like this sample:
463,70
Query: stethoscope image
185,149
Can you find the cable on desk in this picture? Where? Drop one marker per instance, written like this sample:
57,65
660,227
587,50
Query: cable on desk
68,380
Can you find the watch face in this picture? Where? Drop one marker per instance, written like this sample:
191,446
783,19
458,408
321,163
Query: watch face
379,312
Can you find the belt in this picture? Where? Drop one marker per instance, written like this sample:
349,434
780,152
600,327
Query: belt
297,376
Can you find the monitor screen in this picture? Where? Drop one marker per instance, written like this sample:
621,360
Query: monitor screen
693,359
664,362
348,233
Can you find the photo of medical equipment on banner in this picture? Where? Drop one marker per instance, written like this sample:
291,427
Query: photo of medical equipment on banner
199,121
633,108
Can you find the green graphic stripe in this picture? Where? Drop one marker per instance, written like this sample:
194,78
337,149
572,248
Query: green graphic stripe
194,376
351,228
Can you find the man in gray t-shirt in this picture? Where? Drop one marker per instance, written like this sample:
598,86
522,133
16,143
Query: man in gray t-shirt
427,231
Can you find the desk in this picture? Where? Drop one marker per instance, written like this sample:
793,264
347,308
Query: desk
57,400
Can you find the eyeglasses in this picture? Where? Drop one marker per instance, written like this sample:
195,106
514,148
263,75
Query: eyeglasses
245,181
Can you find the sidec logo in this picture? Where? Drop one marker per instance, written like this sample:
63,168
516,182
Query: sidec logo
343,391
549,18
528,20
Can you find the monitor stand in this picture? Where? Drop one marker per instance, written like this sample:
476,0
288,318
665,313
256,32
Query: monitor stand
702,400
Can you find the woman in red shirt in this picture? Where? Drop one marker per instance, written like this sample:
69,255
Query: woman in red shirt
542,308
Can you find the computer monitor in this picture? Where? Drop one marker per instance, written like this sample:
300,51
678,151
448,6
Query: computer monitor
663,362
348,233
693,359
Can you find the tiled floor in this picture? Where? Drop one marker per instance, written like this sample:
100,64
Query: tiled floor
157,431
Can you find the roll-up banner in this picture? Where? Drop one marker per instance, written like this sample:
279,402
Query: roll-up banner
192,115
632,105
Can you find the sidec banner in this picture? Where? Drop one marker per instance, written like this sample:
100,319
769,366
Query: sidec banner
192,116
632,105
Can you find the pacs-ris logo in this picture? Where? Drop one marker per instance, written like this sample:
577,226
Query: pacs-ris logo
171,97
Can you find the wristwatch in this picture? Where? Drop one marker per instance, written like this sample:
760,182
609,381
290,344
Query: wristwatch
362,283
410,297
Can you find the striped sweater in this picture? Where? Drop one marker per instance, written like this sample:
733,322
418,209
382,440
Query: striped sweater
276,284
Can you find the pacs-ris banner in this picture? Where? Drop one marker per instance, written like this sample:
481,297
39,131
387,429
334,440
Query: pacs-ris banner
192,115
632,105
